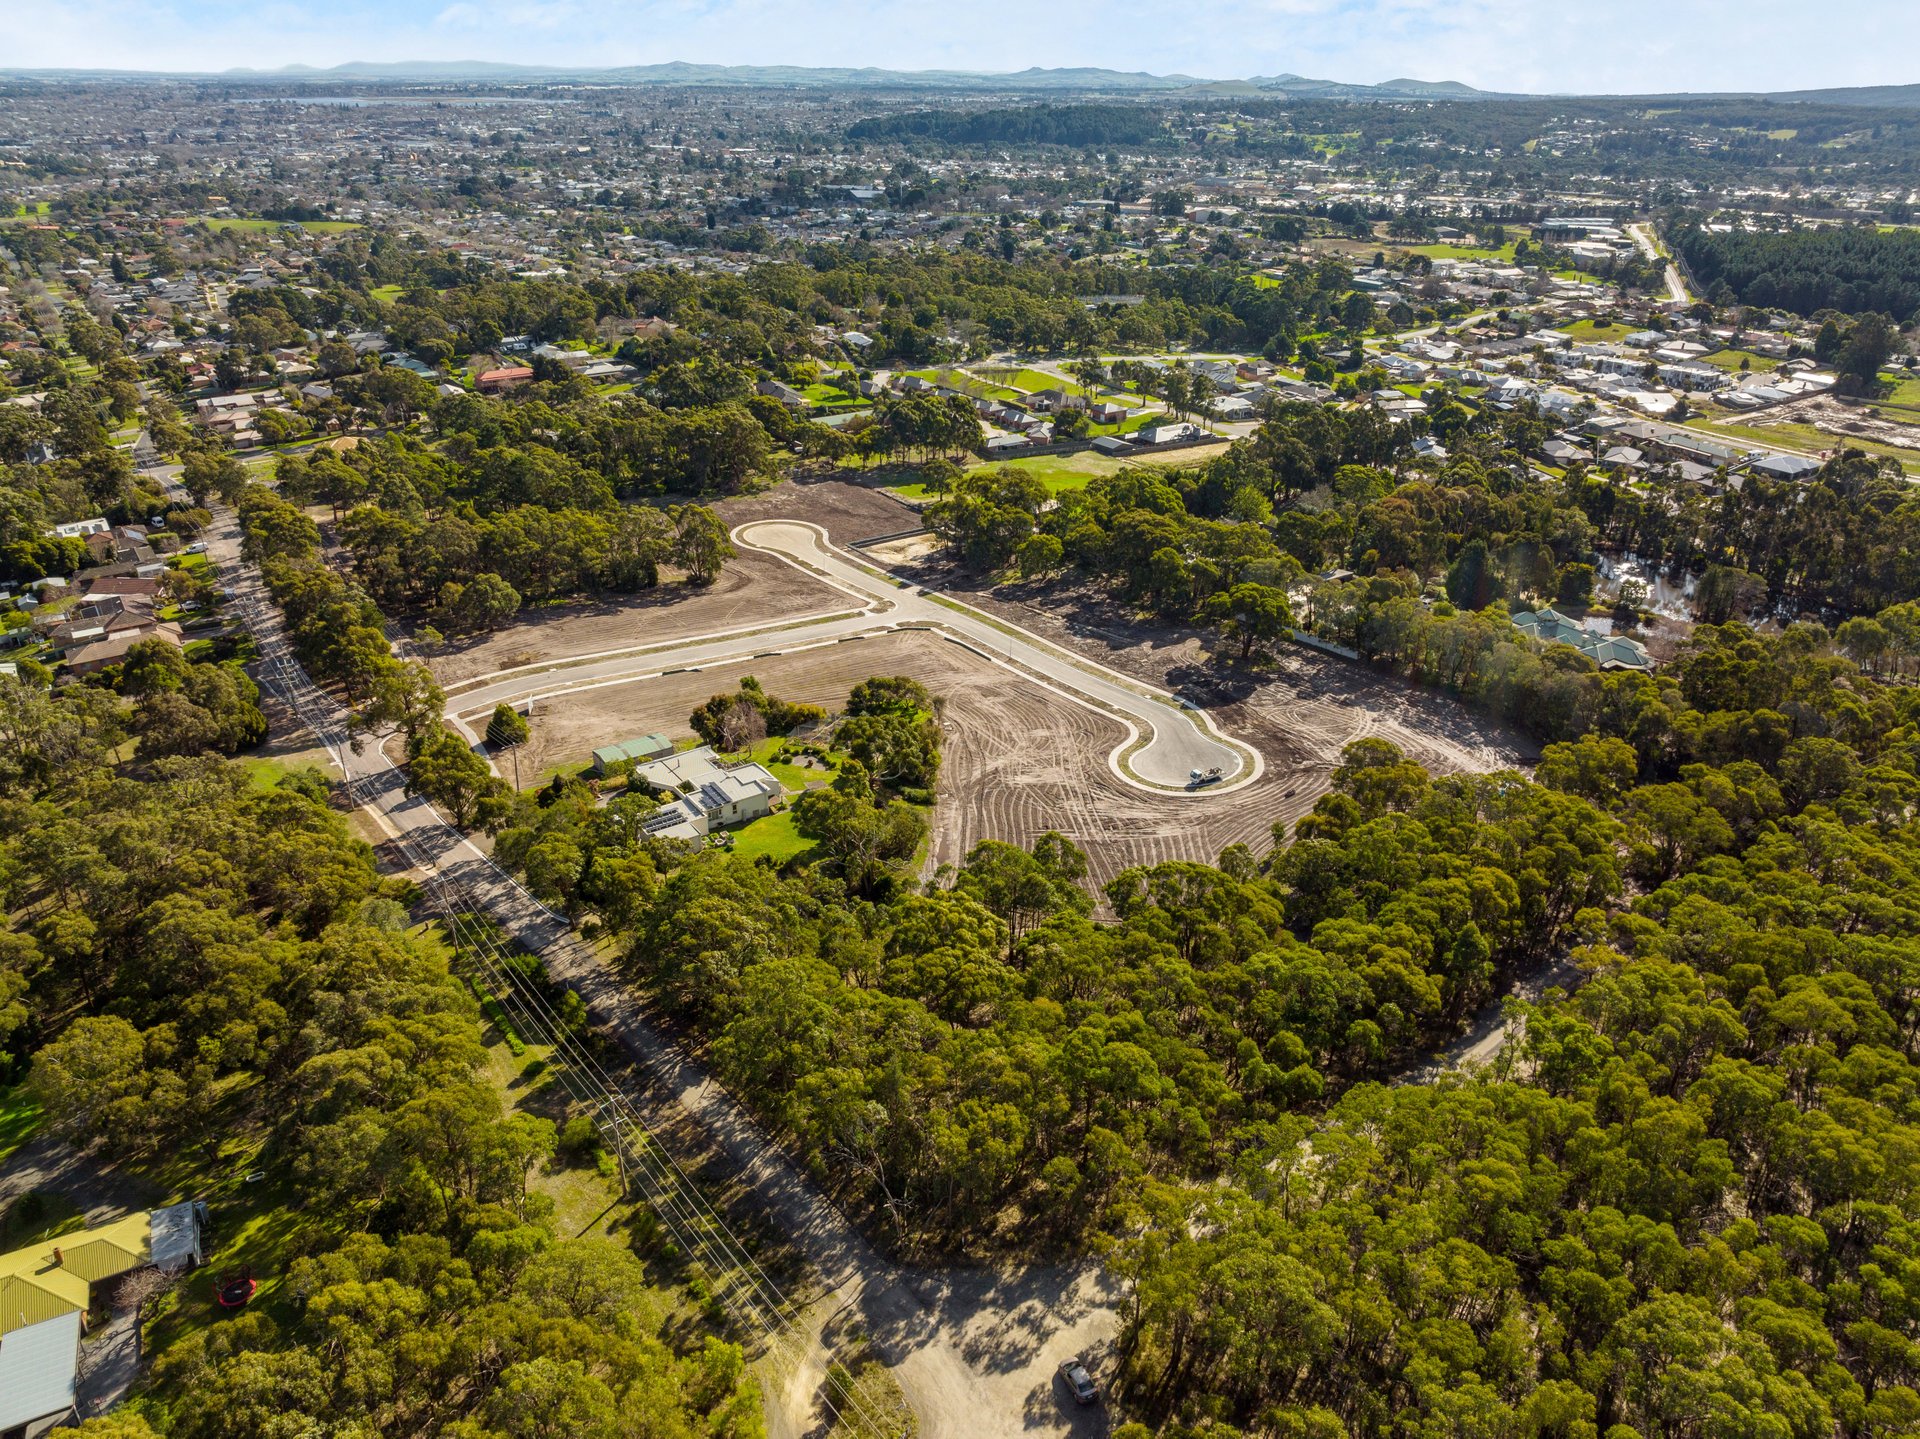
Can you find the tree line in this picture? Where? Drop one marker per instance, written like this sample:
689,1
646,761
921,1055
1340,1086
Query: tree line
190,961
1089,124
1851,269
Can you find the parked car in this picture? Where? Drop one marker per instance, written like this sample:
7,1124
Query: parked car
1079,1383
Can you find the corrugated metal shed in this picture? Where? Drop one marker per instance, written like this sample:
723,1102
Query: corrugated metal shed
174,1241
39,1371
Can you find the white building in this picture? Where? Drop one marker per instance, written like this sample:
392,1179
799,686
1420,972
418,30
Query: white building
705,793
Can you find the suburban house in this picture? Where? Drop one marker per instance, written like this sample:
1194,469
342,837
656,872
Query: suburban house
704,792
1610,652
639,750
1166,434
1106,412
1785,467
507,377
1055,401
784,393
48,1289
111,649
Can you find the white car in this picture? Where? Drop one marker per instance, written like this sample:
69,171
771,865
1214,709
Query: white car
1079,1383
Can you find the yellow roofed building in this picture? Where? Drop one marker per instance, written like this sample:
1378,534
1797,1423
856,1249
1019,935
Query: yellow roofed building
46,1290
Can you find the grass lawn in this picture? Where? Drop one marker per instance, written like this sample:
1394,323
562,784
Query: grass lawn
266,774
1597,333
318,227
1061,473
1030,380
36,1217
773,836
1126,426
1504,253
20,1119
386,294
1806,437
1730,360
793,776
1905,391
966,383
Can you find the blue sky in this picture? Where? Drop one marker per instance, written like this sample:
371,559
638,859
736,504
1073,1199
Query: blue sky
1589,46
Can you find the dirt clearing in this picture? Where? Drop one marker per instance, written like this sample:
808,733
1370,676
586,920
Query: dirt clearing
1844,421
753,589
1019,759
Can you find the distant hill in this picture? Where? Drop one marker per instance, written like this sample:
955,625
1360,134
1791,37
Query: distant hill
1903,97
1086,80
1300,87
680,72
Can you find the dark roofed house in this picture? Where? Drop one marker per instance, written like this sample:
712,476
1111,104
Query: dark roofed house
1610,652
125,585
784,393
1785,467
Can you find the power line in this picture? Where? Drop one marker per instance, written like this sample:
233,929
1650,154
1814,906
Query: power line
741,1286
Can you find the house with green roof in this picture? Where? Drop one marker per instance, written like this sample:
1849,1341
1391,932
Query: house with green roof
1610,652
635,751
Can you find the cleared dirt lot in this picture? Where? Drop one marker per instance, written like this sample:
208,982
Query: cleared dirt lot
1021,760
849,511
752,589
1299,713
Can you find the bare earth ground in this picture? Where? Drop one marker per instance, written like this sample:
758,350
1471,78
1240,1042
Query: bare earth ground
1832,417
1300,712
752,589
849,511
1020,760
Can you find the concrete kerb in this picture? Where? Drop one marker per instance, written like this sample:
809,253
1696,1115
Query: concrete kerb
539,667
1253,764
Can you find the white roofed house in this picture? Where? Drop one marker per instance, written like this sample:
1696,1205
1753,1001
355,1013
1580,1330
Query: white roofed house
704,792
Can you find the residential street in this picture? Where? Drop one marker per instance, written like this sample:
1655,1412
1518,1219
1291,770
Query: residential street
927,1353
